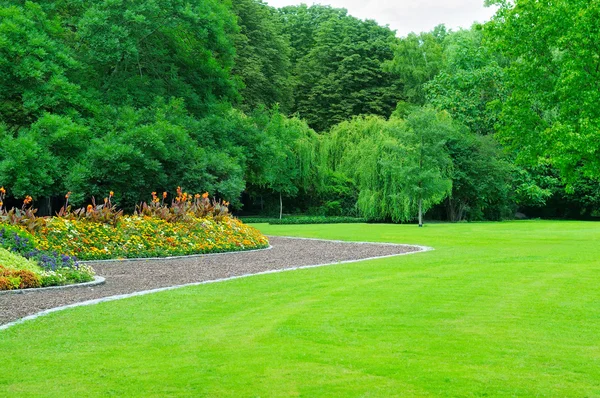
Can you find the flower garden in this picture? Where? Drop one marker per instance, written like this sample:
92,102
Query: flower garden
45,251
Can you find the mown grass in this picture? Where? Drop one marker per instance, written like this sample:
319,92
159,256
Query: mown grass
498,309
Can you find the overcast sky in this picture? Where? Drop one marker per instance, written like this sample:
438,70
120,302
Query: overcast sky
407,16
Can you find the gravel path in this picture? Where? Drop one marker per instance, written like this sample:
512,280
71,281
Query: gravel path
123,277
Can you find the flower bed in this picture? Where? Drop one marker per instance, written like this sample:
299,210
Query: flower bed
145,236
44,251
22,266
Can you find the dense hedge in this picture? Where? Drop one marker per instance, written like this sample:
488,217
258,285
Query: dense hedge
303,220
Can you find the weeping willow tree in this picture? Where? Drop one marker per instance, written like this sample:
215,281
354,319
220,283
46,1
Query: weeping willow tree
290,164
400,166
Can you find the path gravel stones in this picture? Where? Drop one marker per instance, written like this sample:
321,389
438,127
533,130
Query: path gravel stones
123,277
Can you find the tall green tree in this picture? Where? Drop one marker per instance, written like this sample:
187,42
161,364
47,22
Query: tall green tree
289,164
417,59
401,167
262,59
425,171
338,65
34,67
470,84
551,114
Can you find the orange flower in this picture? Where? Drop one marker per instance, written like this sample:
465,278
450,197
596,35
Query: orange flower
68,195
153,193
1,204
2,190
90,208
205,195
197,196
164,195
112,194
105,200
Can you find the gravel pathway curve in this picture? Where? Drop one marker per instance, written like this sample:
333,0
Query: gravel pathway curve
124,277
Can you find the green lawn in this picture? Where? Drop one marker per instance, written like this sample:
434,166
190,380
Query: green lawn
498,309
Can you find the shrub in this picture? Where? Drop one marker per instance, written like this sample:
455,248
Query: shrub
18,279
17,262
7,283
304,220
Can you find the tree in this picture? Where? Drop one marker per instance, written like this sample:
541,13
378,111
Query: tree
470,84
426,168
401,168
289,163
262,56
34,67
338,65
417,59
482,178
551,113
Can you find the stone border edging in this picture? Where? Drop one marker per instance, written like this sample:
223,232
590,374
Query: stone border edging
98,280
420,248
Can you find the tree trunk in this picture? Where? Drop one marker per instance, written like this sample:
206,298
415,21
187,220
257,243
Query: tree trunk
420,212
280,206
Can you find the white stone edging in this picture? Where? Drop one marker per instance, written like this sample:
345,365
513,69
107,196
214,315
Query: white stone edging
98,280
163,289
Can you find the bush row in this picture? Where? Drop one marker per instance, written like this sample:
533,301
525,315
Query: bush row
303,220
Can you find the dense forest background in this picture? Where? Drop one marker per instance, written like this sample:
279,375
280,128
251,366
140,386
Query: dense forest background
304,106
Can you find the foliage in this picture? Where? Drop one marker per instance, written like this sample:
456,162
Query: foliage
40,269
338,65
290,220
395,163
551,115
18,279
15,239
184,208
470,84
13,260
35,66
262,56
417,59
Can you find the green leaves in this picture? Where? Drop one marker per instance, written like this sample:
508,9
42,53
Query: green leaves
34,67
338,65
551,112
394,163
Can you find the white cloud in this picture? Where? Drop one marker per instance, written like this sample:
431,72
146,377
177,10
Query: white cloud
407,16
